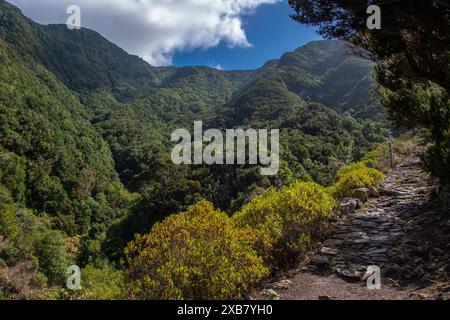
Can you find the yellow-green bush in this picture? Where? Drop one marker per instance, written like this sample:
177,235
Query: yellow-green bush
294,218
197,254
345,170
355,176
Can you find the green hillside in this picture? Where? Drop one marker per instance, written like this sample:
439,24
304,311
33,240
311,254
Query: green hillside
85,136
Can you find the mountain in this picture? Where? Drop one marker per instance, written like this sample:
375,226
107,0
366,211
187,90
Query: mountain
85,134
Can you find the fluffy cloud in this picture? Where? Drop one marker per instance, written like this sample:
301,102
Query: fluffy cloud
154,29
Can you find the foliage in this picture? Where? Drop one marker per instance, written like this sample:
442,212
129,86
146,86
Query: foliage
355,176
98,282
413,53
377,157
85,139
26,238
197,254
402,147
294,218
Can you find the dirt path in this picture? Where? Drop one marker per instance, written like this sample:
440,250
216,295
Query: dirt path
399,232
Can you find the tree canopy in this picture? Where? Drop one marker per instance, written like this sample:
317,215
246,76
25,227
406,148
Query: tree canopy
413,51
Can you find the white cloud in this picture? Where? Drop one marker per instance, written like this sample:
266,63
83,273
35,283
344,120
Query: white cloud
154,29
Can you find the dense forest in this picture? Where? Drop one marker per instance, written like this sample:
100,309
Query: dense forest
85,159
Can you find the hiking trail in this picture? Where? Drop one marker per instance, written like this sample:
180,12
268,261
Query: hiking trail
398,232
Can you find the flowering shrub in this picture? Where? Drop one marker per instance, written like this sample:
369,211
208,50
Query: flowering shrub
197,254
294,218
355,176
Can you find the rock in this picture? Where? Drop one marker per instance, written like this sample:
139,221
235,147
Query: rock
379,238
329,251
445,289
320,261
361,194
367,224
373,192
394,271
281,285
421,296
3,263
349,206
333,243
271,294
376,252
387,193
419,272
325,298
361,241
359,204
347,275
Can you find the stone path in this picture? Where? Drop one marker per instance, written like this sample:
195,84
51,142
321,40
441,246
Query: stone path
398,232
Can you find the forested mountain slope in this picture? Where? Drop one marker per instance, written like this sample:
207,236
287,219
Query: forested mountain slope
83,124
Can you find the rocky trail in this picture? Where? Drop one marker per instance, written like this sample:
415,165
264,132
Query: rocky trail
398,231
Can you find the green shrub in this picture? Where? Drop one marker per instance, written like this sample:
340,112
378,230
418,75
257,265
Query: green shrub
52,256
9,224
294,218
98,282
378,158
355,176
197,254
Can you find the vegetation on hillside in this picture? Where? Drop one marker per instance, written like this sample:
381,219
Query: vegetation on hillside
413,53
85,160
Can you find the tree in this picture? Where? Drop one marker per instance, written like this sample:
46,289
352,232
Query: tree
413,53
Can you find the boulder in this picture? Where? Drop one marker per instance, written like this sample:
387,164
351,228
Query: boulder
373,192
329,251
348,275
359,204
361,194
348,205
320,261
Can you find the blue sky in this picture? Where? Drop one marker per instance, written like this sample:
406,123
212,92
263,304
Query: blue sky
271,32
